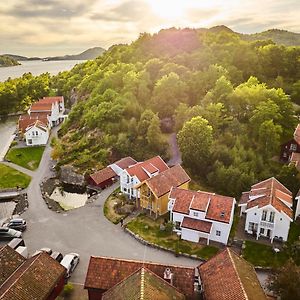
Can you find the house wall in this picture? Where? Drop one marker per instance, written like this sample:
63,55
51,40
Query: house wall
40,139
224,229
286,150
95,294
127,186
281,221
58,289
297,212
192,235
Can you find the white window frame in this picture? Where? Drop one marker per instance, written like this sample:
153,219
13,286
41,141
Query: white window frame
218,233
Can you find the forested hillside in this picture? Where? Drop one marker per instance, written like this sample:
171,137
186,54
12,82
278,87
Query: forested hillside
228,99
6,61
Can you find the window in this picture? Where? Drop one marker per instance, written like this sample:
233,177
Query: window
125,190
252,226
264,215
262,231
131,179
177,225
29,141
218,233
36,133
293,147
128,179
272,216
195,214
33,133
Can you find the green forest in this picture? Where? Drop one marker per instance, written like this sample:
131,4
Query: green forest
231,103
6,61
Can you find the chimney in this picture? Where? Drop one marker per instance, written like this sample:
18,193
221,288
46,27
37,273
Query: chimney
168,276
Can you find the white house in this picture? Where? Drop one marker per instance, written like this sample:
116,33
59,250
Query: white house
139,172
268,209
36,134
201,215
122,164
297,212
54,107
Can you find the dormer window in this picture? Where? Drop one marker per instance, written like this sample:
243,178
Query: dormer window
264,215
222,215
293,147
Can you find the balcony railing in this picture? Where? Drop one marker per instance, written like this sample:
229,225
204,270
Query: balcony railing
266,224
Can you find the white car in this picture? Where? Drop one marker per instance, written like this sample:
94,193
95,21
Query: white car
70,261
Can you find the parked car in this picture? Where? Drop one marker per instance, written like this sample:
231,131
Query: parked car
47,250
57,256
16,242
8,233
17,224
70,261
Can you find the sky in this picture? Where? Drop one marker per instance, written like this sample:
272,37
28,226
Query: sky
57,27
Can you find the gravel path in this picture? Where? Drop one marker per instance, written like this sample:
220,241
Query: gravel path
175,153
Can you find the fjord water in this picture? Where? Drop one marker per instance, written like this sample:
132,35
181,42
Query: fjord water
37,67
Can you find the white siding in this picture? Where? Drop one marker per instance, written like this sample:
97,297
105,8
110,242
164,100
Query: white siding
196,214
224,230
117,169
127,184
297,213
36,136
192,235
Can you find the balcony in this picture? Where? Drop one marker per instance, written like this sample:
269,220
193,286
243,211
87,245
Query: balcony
266,224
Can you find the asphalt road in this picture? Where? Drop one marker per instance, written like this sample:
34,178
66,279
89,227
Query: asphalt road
83,230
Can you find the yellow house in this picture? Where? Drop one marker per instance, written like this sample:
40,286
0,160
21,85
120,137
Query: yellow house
155,190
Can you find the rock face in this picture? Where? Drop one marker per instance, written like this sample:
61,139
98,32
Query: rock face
71,179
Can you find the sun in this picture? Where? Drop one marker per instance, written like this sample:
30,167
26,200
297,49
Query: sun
168,9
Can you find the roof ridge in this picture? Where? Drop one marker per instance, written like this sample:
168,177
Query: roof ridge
34,258
237,273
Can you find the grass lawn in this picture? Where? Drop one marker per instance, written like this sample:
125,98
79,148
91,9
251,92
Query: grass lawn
263,255
294,233
150,231
10,178
109,211
28,157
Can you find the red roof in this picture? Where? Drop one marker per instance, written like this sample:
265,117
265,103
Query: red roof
103,175
138,169
26,120
38,124
162,183
125,162
35,278
104,273
198,225
271,192
51,99
228,276
38,106
220,208
217,207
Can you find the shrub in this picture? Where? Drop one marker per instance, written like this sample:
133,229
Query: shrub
68,289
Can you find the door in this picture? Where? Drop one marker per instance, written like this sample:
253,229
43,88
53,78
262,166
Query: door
268,233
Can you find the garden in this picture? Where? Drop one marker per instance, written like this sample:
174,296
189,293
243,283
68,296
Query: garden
11,178
28,157
160,232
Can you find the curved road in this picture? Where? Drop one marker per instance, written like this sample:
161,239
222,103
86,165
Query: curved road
84,230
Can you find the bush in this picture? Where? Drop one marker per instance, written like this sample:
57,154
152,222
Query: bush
68,289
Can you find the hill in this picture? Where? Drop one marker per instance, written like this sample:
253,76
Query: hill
6,61
280,37
91,53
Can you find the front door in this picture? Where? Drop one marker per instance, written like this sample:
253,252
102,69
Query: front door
268,233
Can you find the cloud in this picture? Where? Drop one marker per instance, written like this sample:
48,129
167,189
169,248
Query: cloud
49,8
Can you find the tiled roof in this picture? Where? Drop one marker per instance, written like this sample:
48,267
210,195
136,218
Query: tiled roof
228,276
38,124
163,182
244,198
217,207
10,261
51,99
144,285
138,169
199,225
297,134
26,120
150,168
271,192
104,273
103,175
186,199
125,162
38,106
34,279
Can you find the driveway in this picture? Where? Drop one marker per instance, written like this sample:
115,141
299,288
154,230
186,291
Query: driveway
83,230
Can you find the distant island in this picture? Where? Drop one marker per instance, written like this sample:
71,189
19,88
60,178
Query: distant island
6,61
91,53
